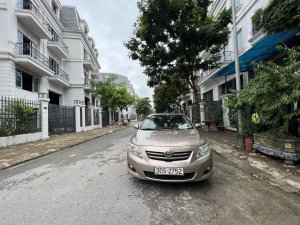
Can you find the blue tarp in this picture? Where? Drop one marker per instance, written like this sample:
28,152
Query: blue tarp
262,50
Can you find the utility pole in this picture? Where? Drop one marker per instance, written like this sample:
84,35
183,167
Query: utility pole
237,73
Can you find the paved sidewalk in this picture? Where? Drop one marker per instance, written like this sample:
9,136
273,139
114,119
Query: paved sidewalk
17,154
265,168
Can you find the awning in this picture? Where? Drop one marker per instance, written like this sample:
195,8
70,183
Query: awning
262,50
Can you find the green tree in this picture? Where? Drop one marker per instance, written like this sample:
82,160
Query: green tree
111,95
169,36
281,15
167,94
143,107
275,94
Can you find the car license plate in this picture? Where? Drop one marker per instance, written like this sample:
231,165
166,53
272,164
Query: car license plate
168,171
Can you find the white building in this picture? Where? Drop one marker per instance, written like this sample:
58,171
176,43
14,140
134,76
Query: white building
43,49
130,111
47,55
253,46
82,64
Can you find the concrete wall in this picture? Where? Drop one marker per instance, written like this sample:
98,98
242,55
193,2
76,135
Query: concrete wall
7,78
19,139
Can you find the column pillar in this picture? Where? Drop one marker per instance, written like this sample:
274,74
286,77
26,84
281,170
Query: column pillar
92,108
100,117
77,118
83,117
44,101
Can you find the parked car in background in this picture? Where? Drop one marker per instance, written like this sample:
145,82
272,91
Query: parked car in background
168,148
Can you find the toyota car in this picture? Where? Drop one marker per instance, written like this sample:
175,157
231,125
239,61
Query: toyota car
168,148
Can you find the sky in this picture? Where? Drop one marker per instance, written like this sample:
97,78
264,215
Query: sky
111,24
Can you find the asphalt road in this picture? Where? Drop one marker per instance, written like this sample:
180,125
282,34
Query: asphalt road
88,184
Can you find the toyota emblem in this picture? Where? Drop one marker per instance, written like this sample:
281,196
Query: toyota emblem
168,154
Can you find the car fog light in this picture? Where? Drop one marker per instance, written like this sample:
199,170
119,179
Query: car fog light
131,167
208,169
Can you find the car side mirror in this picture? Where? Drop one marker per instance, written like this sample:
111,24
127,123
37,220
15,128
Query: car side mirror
197,125
136,126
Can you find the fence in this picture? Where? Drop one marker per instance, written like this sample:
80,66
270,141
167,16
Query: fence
61,119
96,117
88,116
105,118
213,111
19,116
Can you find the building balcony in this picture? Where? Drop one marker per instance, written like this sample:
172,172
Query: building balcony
32,60
87,63
61,78
87,86
33,20
95,75
58,47
226,57
257,34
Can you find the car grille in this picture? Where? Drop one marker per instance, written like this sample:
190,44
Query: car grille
177,156
186,176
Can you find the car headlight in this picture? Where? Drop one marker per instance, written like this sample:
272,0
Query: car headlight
203,150
135,150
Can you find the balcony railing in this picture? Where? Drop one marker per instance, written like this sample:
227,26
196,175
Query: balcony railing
87,82
35,12
63,75
255,29
226,56
56,38
58,72
204,74
28,49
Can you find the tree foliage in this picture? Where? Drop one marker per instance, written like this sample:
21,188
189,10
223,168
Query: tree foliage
275,94
169,36
143,106
111,95
167,94
281,15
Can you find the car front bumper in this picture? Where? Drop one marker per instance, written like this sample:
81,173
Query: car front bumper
194,170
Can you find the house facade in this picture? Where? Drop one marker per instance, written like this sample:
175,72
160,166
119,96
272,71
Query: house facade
253,46
46,53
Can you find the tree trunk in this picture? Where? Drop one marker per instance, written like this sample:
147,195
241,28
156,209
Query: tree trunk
197,95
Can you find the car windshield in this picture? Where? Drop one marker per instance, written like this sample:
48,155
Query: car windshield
160,122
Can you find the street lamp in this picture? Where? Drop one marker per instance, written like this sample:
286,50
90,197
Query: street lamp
237,72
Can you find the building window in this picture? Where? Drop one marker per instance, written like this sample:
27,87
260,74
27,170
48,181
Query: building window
55,36
208,96
85,55
240,40
19,79
54,8
35,84
54,66
237,3
225,54
27,82
86,79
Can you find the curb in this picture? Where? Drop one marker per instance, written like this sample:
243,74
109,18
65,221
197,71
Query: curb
283,181
56,150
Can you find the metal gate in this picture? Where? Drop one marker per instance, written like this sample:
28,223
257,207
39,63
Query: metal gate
105,118
213,111
88,116
61,119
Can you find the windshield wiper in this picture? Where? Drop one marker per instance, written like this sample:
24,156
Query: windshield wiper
148,129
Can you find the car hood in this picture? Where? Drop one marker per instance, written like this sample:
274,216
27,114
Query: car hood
189,137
